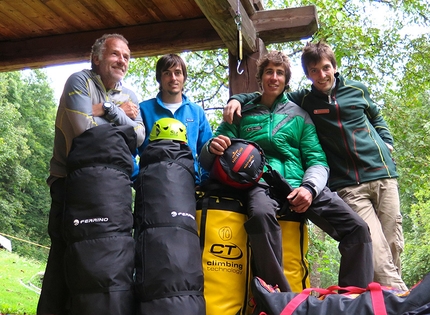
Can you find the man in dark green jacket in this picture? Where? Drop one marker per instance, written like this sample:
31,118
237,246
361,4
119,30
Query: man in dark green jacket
288,138
358,146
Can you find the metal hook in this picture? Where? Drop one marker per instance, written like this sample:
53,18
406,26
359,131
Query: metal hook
238,66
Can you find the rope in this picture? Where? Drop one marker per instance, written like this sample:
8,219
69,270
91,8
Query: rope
25,241
238,21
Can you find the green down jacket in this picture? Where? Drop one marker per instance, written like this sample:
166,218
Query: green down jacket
288,138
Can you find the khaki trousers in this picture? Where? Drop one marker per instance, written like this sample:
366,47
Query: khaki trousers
377,202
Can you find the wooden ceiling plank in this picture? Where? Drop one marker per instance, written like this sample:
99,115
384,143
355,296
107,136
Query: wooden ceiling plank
99,13
221,14
109,12
69,17
15,11
154,11
128,14
144,41
139,11
80,10
45,18
116,10
9,32
170,10
181,9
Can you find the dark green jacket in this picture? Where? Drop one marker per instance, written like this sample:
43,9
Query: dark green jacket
351,131
288,138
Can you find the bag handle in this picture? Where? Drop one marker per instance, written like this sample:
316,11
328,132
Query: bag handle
375,289
378,302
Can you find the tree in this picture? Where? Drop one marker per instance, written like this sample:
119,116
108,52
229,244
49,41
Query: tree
13,150
407,110
26,123
38,118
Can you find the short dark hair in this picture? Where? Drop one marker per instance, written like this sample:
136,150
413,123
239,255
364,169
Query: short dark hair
99,46
315,52
276,57
168,61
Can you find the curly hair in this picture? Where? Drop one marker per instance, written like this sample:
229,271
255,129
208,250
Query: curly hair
278,58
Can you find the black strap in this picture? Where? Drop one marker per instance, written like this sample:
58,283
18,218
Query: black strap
279,187
161,225
181,164
205,206
127,287
170,294
166,159
112,166
71,239
302,253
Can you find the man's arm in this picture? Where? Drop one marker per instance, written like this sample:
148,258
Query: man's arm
77,105
205,134
124,119
313,158
125,113
234,105
217,145
316,168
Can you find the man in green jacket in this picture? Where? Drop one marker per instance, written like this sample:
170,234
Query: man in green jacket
288,138
358,146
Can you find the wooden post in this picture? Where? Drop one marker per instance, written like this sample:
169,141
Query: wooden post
245,82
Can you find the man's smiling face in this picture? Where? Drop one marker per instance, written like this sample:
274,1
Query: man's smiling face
322,75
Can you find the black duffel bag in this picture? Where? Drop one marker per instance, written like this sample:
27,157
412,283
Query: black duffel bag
373,300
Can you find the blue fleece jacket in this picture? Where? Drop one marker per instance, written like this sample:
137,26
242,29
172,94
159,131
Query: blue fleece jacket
190,114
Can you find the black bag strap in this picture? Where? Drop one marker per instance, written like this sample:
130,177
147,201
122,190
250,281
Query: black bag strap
279,187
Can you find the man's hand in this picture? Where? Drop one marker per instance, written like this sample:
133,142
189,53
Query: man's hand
130,109
233,107
389,146
300,199
219,144
98,110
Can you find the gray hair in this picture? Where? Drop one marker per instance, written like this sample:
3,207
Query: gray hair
99,46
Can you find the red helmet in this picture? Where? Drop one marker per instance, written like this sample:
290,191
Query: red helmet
241,165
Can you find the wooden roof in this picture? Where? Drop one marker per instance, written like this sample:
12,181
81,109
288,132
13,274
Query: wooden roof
39,33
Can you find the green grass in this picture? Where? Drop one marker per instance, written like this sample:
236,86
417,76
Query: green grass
18,282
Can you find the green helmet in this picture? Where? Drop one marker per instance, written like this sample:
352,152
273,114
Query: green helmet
168,129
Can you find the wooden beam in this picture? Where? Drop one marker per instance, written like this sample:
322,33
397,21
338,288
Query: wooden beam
144,41
221,14
257,5
246,81
251,6
279,26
